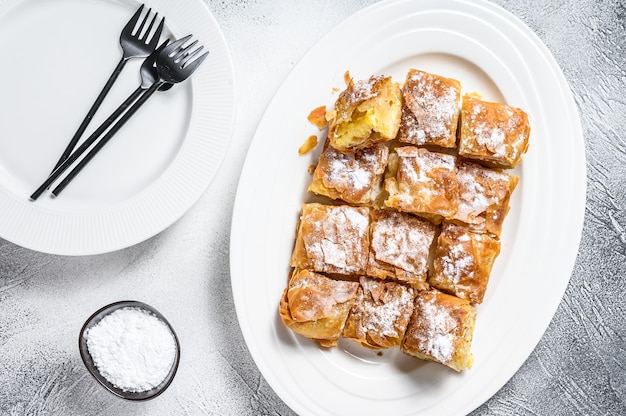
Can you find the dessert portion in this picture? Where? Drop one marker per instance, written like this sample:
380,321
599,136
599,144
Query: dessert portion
495,134
400,247
463,261
316,306
367,112
430,113
355,178
441,330
380,313
401,241
423,183
484,196
332,239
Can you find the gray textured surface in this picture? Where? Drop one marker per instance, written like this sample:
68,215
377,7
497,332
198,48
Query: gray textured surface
578,368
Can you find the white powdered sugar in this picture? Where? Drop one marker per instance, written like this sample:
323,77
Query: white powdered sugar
338,239
472,197
354,173
132,348
433,105
382,305
439,327
320,293
402,241
458,261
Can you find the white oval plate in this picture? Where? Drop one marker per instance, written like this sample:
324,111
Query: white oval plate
491,52
151,172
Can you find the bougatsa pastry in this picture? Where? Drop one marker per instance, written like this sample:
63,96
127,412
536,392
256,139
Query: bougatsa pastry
380,314
367,112
422,182
352,177
463,262
494,133
484,196
400,247
441,330
332,239
431,107
316,306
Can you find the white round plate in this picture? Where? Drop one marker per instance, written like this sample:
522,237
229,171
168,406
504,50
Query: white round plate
58,55
490,52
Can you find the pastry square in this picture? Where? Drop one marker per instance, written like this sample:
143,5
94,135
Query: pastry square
430,113
355,178
441,330
400,246
463,261
494,133
316,306
422,182
484,196
332,239
367,112
380,313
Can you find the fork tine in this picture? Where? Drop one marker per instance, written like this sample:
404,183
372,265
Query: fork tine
181,53
128,29
189,56
147,32
173,47
143,22
157,34
189,67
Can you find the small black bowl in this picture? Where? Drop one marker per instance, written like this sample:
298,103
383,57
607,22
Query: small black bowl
84,352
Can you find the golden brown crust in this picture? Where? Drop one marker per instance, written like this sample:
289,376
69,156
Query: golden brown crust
431,107
309,144
424,184
332,239
355,178
380,313
317,117
367,112
484,196
400,247
463,262
316,306
493,133
441,330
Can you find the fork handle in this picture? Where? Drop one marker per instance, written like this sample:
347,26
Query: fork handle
92,111
114,129
86,144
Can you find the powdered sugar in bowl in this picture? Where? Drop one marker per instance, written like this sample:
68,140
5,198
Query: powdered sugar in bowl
131,349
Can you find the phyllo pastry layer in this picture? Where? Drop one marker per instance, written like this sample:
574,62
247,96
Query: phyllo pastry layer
332,239
463,262
431,109
441,330
316,306
380,313
367,112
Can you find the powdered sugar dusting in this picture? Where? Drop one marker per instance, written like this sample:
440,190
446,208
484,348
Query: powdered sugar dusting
458,261
438,327
425,182
402,241
337,239
356,93
493,131
356,177
319,293
433,108
382,305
